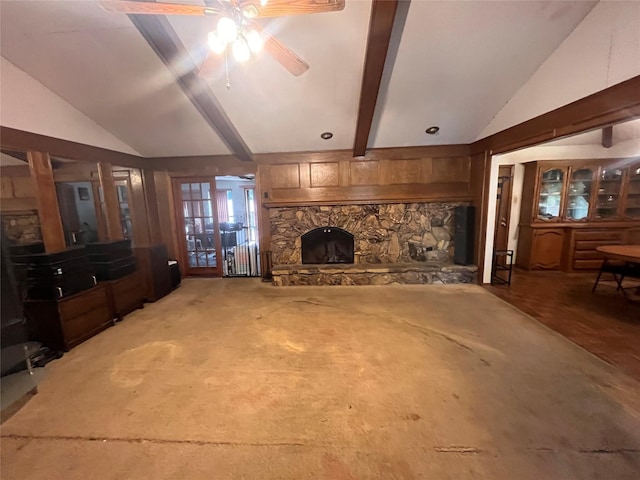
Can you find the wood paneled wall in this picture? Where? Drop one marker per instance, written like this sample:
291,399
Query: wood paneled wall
17,189
386,175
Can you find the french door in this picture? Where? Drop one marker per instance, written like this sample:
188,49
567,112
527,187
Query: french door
197,218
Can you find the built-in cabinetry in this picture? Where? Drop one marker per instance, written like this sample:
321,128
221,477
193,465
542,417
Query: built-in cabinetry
571,207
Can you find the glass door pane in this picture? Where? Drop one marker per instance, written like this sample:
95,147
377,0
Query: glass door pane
199,227
122,190
609,186
579,195
632,208
549,200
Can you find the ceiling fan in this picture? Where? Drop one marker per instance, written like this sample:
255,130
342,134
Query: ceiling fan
235,28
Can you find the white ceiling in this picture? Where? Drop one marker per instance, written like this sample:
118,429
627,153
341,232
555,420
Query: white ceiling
622,132
457,64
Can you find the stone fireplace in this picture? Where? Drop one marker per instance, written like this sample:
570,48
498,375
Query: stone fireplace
392,243
327,245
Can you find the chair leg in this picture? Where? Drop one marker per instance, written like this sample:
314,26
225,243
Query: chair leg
597,280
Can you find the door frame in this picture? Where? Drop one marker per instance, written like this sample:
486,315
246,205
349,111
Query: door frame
176,186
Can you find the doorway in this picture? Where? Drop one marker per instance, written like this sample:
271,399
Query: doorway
502,256
237,215
198,235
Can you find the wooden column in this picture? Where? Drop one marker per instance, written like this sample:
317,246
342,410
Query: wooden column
110,204
153,217
138,206
47,201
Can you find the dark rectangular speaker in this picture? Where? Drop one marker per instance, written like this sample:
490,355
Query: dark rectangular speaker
465,217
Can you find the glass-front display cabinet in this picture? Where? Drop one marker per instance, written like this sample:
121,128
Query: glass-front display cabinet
550,193
579,193
632,206
582,192
609,193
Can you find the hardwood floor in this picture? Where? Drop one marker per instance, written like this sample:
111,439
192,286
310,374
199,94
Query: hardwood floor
604,323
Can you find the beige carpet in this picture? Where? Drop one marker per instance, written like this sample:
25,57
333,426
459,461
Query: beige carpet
235,379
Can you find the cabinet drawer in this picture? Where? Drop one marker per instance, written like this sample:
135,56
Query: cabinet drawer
82,302
84,326
587,255
591,245
598,235
587,264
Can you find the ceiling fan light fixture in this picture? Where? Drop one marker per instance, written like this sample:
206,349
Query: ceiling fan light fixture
255,41
216,44
241,50
250,11
227,29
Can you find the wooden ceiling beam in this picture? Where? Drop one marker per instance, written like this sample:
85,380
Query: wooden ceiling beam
607,136
383,13
163,39
22,141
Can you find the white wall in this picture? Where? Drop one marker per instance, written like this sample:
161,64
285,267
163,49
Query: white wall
26,104
237,193
630,149
602,51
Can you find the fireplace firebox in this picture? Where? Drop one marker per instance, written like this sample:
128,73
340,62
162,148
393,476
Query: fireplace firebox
327,245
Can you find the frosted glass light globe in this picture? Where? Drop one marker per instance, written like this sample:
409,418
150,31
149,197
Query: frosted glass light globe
216,44
255,41
227,29
241,50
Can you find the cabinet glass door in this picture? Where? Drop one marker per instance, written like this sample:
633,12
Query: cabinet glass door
549,199
609,187
579,194
632,208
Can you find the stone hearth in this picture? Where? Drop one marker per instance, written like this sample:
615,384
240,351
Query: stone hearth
370,274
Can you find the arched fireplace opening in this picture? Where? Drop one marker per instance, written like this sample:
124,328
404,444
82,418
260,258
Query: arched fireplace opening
327,245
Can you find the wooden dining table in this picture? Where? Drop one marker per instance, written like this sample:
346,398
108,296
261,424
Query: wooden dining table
622,253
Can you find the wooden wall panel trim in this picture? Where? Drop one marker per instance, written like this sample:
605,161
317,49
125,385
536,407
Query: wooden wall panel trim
15,171
47,202
6,187
151,205
363,172
345,173
167,214
479,185
23,187
323,174
140,217
403,172
371,194
304,175
285,176
15,205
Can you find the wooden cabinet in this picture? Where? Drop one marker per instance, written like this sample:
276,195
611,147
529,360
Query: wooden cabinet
126,294
569,208
540,248
153,263
65,323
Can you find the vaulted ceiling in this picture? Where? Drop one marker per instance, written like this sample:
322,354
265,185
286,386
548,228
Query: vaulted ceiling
450,64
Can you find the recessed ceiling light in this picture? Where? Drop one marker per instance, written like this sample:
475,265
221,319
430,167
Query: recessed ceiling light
432,130
326,135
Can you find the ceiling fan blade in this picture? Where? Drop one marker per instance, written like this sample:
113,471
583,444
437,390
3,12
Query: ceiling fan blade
281,8
152,8
287,58
211,65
